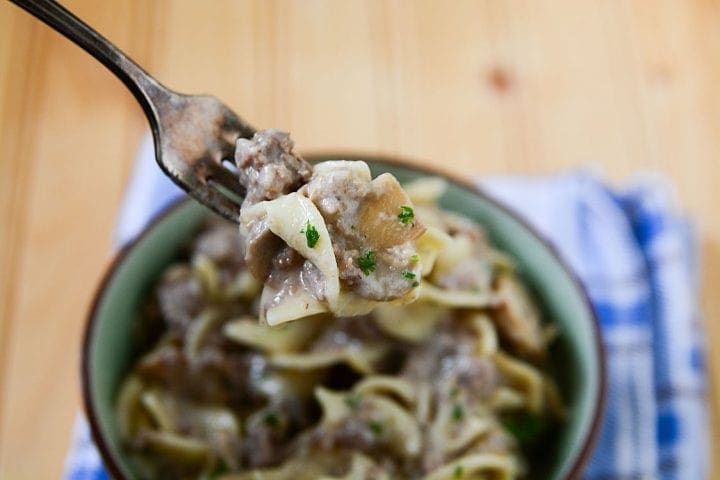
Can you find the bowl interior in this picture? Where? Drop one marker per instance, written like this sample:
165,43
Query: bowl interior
576,356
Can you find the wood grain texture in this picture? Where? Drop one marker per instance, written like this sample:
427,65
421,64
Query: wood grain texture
479,87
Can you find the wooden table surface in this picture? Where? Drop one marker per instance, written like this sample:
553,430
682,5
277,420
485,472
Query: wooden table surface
473,87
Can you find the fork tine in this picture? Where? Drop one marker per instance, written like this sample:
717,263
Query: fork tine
218,202
221,175
233,123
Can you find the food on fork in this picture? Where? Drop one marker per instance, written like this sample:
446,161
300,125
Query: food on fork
327,238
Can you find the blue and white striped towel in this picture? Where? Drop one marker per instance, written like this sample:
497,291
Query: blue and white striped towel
636,256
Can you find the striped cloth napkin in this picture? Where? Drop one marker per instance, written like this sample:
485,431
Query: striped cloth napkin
638,260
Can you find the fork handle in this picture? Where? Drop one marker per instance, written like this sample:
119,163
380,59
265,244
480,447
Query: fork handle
143,86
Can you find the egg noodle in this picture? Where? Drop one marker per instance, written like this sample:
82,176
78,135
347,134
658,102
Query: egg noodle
447,381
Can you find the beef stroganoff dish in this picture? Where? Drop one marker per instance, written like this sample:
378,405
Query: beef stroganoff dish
352,329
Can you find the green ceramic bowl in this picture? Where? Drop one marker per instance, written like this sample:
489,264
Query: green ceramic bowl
577,355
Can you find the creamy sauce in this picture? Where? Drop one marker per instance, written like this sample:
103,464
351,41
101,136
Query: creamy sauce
373,244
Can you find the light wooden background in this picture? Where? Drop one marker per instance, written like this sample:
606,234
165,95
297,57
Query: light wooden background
473,87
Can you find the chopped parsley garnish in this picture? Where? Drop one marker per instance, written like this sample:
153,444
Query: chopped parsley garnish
311,234
376,427
366,263
271,419
458,472
525,427
353,400
221,469
406,214
415,258
458,412
411,276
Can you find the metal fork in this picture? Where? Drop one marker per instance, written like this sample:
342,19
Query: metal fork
193,134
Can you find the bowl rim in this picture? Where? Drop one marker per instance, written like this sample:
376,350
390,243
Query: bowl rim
578,463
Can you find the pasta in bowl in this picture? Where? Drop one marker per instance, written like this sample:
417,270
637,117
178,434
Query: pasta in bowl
464,382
